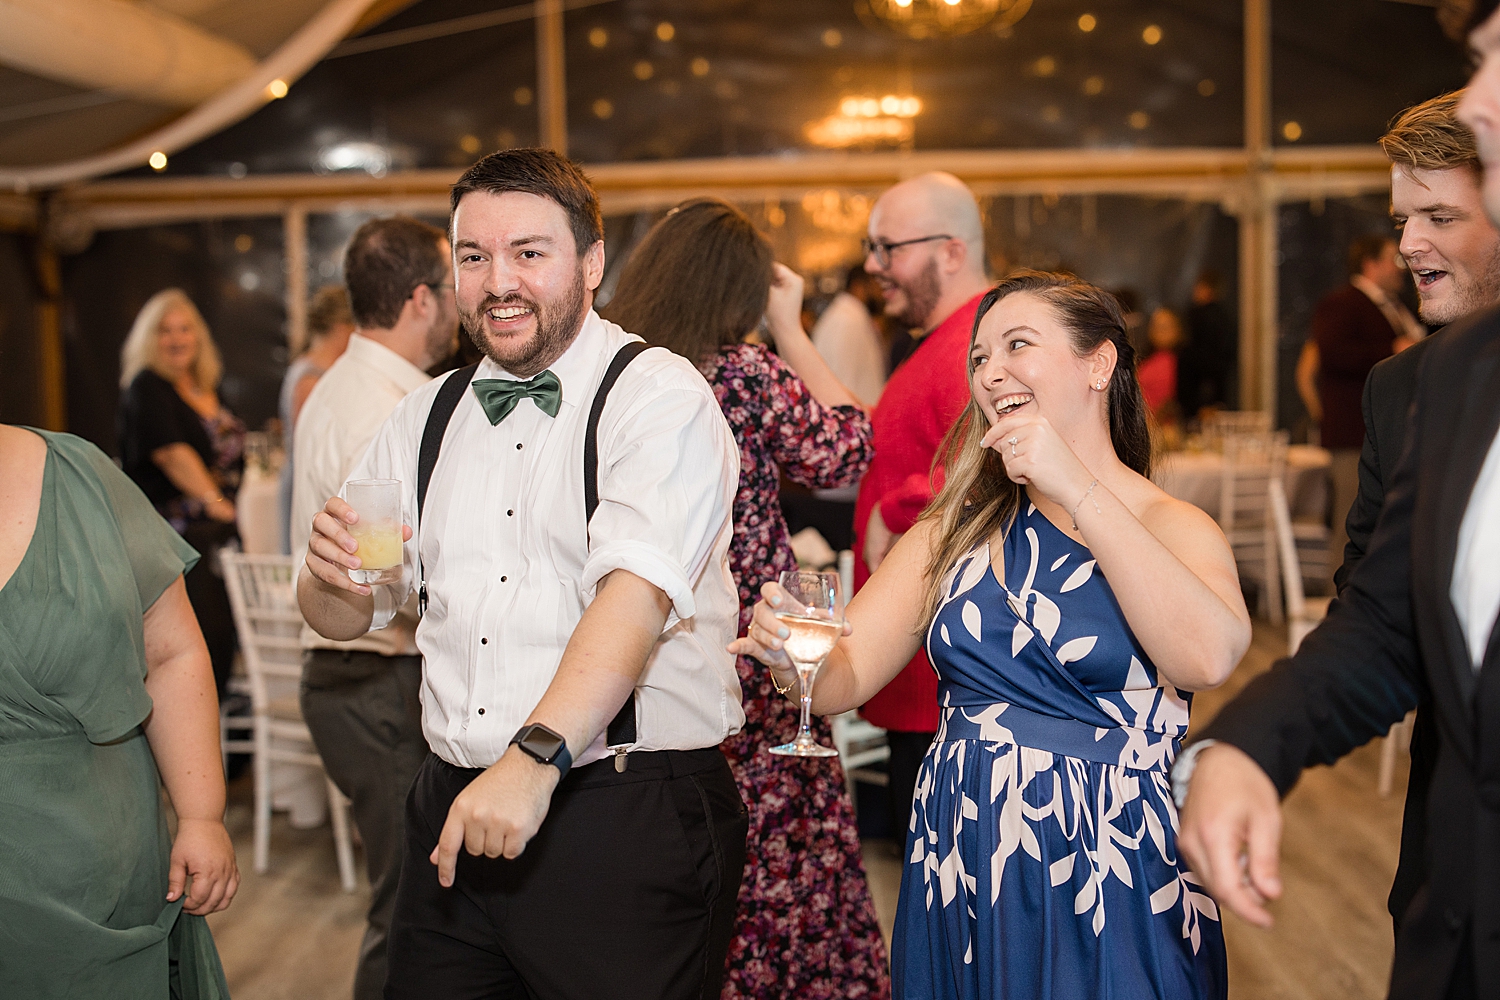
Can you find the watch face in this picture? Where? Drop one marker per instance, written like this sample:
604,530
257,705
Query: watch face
541,743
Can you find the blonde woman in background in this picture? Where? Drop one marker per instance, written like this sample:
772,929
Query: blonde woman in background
184,448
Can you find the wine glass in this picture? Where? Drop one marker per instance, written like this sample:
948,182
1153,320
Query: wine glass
814,616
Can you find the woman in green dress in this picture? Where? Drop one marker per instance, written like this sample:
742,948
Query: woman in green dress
106,693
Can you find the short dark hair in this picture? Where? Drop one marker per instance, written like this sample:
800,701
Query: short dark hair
699,280
1367,247
539,172
385,262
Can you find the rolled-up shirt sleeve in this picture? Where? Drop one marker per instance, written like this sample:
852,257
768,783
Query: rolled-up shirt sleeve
668,471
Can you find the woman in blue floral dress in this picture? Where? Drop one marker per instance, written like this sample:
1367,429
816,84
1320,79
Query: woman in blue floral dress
1068,606
699,282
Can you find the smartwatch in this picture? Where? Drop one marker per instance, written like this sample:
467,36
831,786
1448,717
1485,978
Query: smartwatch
545,746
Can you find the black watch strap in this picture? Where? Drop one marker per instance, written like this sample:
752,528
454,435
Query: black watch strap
544,745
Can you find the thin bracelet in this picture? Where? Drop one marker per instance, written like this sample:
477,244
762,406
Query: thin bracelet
779,689
1088,494
213,499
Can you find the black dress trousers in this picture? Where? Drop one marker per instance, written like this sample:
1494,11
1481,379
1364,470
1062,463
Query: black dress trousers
628,890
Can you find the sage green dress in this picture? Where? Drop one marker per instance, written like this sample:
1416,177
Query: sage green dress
83,840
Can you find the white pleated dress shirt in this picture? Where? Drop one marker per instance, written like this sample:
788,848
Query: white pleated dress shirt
341,416
511,565
1475,589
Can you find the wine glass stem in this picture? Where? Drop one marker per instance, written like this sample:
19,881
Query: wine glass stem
804,731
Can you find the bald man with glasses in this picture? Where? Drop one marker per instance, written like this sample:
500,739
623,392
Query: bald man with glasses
926,249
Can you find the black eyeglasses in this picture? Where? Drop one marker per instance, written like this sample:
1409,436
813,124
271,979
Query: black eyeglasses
881,249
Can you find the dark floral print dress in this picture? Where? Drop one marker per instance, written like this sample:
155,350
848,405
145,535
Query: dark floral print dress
806,925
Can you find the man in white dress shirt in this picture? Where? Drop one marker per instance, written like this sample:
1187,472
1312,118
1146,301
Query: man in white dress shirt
360,698
544,628
1415,624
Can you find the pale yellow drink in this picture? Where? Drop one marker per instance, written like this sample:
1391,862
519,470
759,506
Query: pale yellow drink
379,550
378,530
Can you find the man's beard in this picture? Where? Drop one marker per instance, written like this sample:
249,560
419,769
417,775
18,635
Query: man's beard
556,324
441,339
1471,295
922,294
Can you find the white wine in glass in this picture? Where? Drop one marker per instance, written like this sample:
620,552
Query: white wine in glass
814,617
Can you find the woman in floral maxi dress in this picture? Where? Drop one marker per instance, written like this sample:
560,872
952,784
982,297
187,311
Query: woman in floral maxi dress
700,281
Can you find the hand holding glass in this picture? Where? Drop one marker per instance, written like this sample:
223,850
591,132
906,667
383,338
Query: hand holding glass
814,618
378,530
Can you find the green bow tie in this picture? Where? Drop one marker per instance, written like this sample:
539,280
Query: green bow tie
499,396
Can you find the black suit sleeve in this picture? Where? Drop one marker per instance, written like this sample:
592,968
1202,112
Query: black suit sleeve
1365,512
1358,673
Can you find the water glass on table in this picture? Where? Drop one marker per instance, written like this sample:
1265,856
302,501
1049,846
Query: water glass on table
814,618
378,530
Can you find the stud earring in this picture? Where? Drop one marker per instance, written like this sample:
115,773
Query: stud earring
1099,385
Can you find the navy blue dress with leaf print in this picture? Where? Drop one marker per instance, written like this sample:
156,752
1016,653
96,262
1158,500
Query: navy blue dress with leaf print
1042,856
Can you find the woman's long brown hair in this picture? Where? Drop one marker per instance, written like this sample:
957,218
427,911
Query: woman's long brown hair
978,499
699,281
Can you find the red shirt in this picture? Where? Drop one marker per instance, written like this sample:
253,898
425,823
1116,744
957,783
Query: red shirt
1158,378
921,401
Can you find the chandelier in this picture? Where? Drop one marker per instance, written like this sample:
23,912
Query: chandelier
941,18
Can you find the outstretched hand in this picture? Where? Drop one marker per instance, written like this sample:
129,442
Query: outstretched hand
1231,831
766,636
331,548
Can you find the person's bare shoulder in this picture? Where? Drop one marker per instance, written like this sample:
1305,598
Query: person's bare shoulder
1169,518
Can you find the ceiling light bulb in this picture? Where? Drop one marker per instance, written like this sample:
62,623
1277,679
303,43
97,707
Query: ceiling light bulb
158,161
277,89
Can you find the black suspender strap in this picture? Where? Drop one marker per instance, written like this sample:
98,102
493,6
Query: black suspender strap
621,732
443,405
621,361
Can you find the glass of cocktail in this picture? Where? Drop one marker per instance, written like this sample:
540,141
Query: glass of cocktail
814,618
378,530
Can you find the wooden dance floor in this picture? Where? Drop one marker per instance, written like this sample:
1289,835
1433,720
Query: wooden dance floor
293,935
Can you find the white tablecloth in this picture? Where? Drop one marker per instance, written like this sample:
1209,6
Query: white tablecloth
1196,478
258,514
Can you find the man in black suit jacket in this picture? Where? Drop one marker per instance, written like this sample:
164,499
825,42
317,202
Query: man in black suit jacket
1415,624
1453,249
